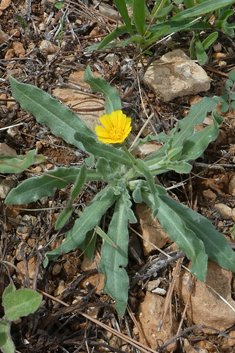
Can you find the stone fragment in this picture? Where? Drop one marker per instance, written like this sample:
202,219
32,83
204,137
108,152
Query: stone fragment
3,37
175,75
31,267
206,307
10,54
18,49
47,48
107,10
5,150
112,59
224,210
70,97
5,187
149,315
231,186
145,150
151,229
5,4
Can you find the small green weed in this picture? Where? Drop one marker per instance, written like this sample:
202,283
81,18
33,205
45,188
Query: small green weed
16,303
228,98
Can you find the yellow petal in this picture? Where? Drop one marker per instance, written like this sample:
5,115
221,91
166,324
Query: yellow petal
100,131
105,121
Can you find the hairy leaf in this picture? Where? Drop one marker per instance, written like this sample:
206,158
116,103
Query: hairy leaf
88,220
184,237
21,303
216,245
62,121
9,164
6,343
113,261
34,188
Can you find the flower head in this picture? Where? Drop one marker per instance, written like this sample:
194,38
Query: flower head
116,127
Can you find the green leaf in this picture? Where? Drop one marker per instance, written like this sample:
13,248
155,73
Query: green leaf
6,343
88,220
224,107
233,105
37,187
21,303
216,245
184,237
158,5
47,110
9,164
121,6
113,261
100,149
200,51
185,128
203,8
196,145
88,245
103,235
189,3
79,183
98,84
232,96
59,5
231,75
210,40
11,288
63,217
139,15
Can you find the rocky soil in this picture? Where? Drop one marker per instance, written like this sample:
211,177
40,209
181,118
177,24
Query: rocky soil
169,310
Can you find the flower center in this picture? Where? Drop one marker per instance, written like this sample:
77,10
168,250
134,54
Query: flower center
116,133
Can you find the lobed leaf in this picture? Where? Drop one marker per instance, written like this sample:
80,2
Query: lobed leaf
9,164
99,149
196,145
88,220
216,245
185,238
33,189
62,121
113,261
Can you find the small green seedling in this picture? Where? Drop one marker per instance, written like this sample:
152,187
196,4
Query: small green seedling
228,98
16,303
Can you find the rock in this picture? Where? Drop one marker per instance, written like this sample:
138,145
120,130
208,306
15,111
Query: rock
145,150
5,4
111,59
175,75
31,268
5,150
47,48
18,49
149,315
206,307
224,210
107,10
70,97
151,229
5,187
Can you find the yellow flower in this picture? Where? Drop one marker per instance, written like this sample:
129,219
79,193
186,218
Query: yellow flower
116,127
